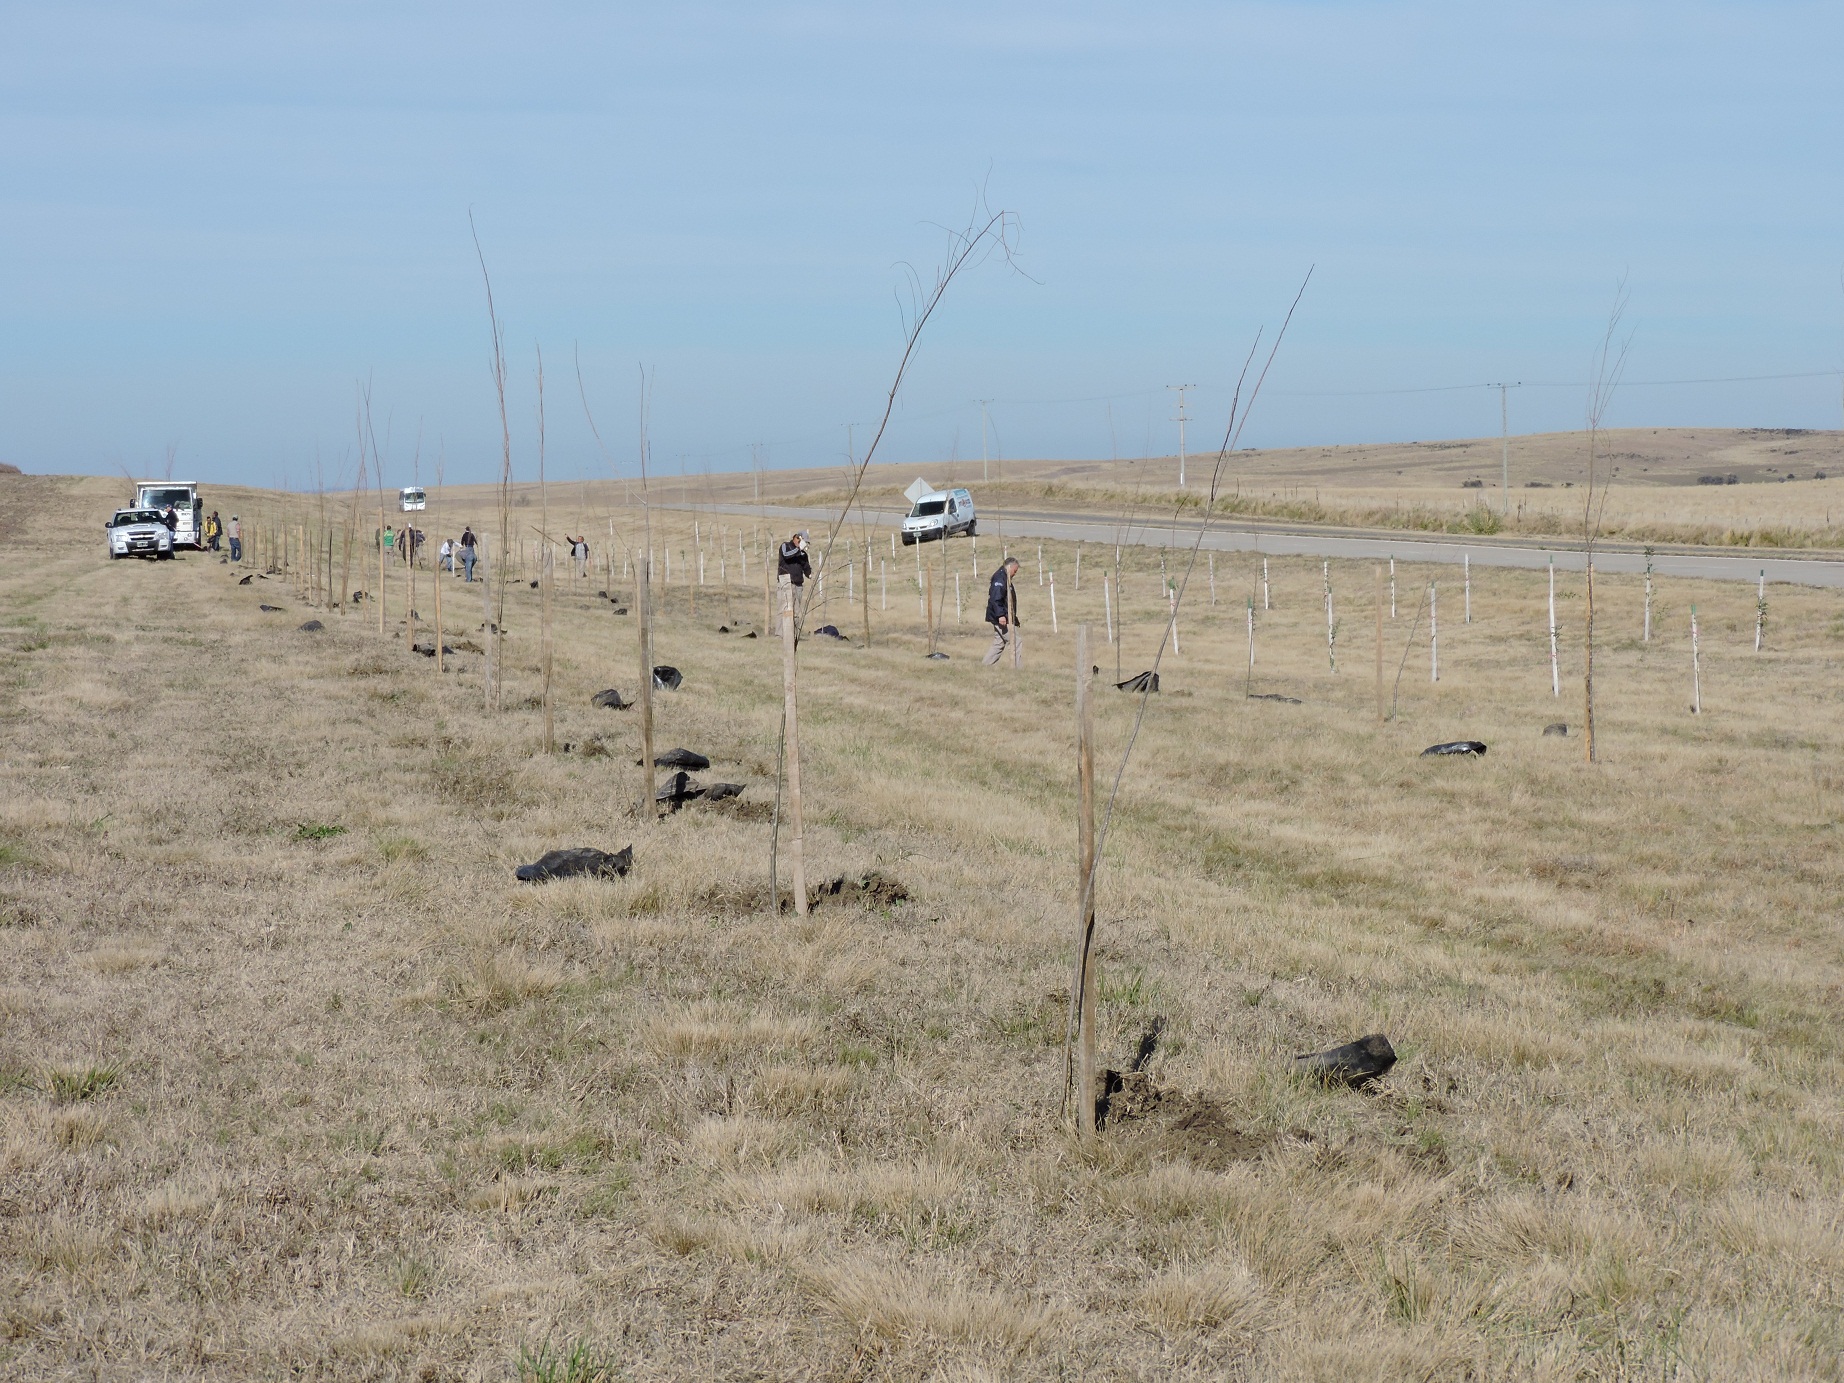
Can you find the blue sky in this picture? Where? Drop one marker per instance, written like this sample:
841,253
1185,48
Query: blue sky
216,219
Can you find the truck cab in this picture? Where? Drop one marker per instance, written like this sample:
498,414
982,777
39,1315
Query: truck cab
183,495
939,514
411,498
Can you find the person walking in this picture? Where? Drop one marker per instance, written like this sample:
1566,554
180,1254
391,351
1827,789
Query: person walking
445,555
236,539
467,552
579,549
213,527
1001,609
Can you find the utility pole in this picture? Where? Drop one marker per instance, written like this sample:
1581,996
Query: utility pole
984,475
1504,439
1181,420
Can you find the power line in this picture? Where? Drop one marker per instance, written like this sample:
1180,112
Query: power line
1549,384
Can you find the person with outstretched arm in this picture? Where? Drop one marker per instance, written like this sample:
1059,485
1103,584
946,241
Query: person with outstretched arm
794,563
1000,609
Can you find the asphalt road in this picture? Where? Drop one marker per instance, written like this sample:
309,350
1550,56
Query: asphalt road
1280,540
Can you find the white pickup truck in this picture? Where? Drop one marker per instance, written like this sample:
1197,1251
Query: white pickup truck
184,497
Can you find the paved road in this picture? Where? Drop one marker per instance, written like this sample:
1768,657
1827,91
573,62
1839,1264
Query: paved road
1238,535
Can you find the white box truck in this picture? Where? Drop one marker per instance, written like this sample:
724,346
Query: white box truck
184,497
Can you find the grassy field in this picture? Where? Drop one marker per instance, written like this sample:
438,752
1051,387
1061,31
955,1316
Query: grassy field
297,1081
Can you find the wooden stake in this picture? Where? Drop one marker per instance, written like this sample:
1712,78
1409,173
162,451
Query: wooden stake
768,597
1392,588
1467,567
643,610
1696,667
1107,605
486,620
1267,596
1331,627
1760,609
1434,634
1213,578
1647,637
438,615
1055,630
1587,676
547,575
1250,681
409,605
1380,716
931,609
1555,664
1011,605
796,859
1084,996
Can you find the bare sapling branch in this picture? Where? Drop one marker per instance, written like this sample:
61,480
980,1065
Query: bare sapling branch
1608,366
496,568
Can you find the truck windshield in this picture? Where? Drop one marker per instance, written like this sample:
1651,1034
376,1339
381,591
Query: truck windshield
179,499
928,506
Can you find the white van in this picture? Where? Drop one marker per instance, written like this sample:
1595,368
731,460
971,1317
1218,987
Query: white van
188,509
412,497
940,515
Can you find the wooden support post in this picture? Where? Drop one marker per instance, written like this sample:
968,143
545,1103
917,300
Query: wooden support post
1434,633
1696,667
643,611
797,867
409,604
1084,996
768,598
1380,716
1011,605
437,612
867,594
380,561
492,667
1555,662
931,609
547,575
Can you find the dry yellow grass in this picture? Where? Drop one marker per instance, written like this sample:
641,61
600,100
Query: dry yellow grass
352,1103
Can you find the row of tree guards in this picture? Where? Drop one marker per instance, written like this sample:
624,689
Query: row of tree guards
321,558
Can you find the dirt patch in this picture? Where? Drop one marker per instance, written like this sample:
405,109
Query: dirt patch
737,807
1195,1127
872,890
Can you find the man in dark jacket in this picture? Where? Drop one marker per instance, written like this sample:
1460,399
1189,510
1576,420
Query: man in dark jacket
1000,608
794,563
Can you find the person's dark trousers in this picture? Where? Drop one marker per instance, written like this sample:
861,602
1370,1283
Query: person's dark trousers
236,549
467,564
